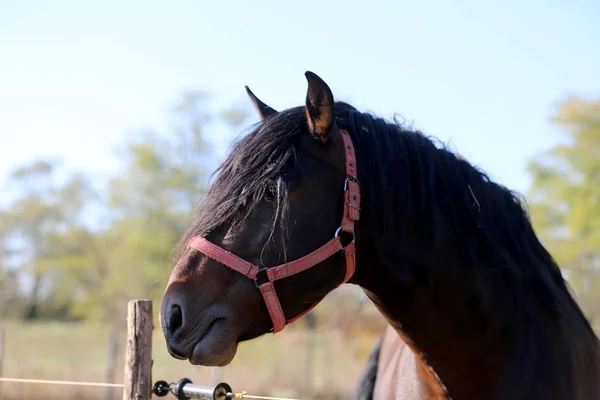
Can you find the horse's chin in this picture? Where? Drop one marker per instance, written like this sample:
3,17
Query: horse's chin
217,347
214,359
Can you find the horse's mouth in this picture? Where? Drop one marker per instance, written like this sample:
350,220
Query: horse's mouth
185,350
208,329
216,347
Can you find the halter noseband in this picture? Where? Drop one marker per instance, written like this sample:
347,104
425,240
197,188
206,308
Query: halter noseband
268,275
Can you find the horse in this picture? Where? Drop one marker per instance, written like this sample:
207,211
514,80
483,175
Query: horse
323,194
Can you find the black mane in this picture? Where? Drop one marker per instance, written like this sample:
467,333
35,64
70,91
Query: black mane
410,185
441,222
416,186
254,165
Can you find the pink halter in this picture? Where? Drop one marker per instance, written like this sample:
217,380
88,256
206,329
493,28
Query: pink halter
351,214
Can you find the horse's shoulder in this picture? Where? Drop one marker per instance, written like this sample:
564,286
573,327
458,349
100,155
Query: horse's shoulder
400,373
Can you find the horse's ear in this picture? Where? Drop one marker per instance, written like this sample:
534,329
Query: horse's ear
263,110
320,108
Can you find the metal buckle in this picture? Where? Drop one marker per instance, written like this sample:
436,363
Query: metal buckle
351,178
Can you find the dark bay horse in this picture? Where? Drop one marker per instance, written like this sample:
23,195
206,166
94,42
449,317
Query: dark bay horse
322,194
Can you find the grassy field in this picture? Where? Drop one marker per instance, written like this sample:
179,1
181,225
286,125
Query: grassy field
270,365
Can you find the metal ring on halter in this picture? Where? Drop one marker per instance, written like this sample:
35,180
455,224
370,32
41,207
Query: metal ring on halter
337,234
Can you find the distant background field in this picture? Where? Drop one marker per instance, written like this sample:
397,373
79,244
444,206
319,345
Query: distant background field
269,365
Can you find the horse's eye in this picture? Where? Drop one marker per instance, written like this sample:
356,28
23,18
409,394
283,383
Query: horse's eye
271,192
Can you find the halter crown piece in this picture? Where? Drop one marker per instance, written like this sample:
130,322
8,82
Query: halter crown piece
264,277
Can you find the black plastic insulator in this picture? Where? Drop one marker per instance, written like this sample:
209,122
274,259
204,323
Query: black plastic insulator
161,388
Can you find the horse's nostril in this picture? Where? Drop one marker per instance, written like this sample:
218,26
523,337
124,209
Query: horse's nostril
175,319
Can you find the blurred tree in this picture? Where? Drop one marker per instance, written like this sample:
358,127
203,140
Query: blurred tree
42,207
8,278
565,199
150,202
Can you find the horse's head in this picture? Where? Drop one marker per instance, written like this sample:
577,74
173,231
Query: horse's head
273,236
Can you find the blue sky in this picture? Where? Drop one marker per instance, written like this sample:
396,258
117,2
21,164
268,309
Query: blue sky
76,77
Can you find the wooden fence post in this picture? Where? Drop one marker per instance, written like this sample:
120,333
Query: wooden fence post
138,355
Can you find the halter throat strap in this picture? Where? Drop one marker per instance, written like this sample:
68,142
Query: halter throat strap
265,277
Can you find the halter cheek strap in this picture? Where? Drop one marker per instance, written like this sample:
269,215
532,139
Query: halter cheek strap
265,277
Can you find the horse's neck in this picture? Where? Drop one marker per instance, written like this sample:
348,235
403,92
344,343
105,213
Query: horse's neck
481,325
453,357
473,351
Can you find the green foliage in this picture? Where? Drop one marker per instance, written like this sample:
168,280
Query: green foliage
41,207
565,198
8,278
